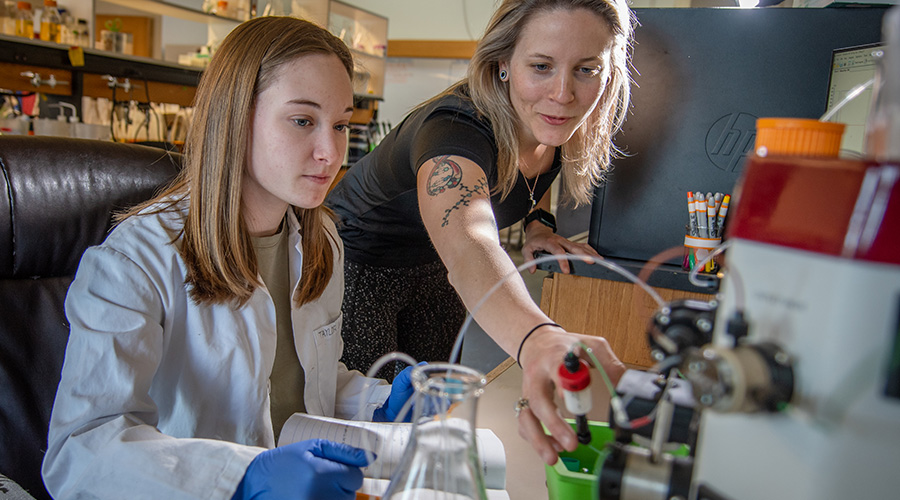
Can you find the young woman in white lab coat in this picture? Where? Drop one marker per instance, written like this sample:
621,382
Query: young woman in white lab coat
213,312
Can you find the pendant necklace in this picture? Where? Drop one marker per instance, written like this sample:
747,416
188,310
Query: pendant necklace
531,190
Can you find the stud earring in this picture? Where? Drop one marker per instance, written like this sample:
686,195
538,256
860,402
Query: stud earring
503,75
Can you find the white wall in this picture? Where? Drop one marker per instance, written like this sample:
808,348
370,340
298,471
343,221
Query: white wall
453,19
432,19
408,82
80,9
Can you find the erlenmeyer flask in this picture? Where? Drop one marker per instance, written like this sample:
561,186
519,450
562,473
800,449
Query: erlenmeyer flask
441,460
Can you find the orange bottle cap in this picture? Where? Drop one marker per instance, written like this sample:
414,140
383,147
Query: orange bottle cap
798,137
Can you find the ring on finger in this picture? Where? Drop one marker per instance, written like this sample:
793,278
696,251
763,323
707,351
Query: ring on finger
521,404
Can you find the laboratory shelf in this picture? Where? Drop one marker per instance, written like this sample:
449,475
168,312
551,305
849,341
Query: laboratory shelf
162,8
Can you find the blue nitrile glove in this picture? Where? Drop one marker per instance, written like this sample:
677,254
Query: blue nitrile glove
316,469
401,390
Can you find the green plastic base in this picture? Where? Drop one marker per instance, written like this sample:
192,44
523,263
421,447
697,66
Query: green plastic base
574,476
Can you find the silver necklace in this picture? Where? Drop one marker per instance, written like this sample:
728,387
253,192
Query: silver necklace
531,189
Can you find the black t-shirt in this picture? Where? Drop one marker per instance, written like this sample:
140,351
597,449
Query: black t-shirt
377,202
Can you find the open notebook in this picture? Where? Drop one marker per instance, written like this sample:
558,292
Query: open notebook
388,441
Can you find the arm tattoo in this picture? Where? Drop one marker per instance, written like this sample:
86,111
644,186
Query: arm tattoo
445,175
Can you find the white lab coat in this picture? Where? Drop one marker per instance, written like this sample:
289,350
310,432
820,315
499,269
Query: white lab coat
162,398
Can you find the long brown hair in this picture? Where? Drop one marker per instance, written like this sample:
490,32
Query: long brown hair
215,242
586,156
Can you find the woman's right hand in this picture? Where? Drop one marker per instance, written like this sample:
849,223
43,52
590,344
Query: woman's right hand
316,469
541,356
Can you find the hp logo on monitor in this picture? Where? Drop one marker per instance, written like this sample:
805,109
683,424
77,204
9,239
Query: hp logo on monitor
729,140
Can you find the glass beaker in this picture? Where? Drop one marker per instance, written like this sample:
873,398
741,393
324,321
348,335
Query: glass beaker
441,459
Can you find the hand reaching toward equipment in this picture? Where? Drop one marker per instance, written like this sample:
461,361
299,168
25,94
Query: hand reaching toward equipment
540,357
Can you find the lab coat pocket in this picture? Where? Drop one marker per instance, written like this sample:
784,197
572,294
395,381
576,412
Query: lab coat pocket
328,340
322,366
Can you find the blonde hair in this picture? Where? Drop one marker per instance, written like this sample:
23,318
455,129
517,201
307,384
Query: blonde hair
216,245
586,156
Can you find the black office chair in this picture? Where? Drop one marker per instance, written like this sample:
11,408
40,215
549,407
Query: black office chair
57,197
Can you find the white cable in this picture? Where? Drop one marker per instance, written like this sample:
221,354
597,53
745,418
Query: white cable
457,346
849,97
366,444
692,276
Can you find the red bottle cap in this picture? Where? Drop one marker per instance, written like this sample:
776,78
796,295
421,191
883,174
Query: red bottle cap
574,382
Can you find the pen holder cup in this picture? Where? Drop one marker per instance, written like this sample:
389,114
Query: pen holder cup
697,249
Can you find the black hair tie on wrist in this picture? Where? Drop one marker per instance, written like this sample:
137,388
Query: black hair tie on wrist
518,354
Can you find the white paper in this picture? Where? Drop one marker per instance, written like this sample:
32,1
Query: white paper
372,489
388,441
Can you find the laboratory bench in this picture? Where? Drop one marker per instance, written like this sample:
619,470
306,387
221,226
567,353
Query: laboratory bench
59,70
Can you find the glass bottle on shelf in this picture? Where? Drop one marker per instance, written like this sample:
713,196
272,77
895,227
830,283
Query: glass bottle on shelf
66,27
8,18
50,21
84,34
441,459
24,20
222,9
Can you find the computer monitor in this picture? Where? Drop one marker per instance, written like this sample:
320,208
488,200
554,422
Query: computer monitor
702,78
851,68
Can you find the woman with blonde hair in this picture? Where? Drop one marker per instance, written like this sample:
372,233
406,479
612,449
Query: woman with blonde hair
211,313
546,90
